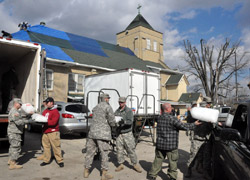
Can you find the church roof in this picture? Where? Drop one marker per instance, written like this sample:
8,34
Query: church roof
174,79
189,97
139,20
65,46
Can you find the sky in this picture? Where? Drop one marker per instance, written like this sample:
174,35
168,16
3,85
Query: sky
178,20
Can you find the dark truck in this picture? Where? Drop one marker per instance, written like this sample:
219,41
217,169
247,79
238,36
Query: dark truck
231,147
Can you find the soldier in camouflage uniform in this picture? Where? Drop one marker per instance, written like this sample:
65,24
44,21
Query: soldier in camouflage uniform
125,139
201,148
15,131
99,136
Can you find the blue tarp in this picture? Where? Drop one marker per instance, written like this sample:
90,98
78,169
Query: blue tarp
79,43
56,52
21,35
128,51
49,32
85,44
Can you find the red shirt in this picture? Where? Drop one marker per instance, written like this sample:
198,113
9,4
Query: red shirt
53,120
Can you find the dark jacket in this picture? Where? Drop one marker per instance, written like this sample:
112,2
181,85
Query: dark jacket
128,118
190,119
168,128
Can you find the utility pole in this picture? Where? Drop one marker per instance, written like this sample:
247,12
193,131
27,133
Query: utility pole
236,82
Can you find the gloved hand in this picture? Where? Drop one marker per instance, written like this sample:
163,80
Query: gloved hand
121,122
29,121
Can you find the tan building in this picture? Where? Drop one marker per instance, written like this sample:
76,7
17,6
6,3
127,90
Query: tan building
147,44
71,57
143,40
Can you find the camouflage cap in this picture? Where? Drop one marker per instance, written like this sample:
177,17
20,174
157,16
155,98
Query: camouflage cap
207,99
105,96
17,100
122,99
194,102
203,104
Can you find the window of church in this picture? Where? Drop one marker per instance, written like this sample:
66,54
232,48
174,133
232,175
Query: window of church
49,77
155,46
76,83
148,44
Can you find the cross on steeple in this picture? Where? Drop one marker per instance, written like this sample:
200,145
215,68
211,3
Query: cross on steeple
139,6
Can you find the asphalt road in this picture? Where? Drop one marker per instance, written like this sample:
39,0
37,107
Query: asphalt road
72,146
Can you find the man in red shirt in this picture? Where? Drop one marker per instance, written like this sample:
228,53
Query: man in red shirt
51,134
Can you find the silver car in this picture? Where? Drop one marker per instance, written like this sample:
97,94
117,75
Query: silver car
72,118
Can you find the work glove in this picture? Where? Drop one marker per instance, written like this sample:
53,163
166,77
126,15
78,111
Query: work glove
29,121
121,122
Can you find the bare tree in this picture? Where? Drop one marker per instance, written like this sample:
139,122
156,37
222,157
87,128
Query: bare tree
213,68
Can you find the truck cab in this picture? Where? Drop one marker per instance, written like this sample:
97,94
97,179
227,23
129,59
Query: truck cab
231,147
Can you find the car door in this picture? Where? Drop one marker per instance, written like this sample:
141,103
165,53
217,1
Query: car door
236,154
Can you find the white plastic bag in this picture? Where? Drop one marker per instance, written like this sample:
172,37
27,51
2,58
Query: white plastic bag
205,114
39,118
118,119
28,108
229,120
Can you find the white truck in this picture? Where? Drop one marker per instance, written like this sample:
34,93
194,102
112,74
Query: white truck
21,72
141,88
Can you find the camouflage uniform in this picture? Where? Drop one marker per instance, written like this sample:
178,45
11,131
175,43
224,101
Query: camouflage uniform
100,134
201,139
125,138
15,130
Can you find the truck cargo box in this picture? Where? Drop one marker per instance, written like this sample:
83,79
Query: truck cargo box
130,83
21,63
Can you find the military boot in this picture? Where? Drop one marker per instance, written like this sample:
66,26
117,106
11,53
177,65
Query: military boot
9,162
86,173
119,168
40,157
14,165
137,168
106,176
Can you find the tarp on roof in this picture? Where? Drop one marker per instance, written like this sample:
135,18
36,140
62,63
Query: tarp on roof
21,35
48,31
56,52
85,44
69,47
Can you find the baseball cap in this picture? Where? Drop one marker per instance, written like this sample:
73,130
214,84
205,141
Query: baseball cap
105,95
122,99
194,102
207,99
203,104
49,99
17,100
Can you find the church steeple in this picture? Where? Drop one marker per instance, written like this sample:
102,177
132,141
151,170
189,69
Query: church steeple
139,20
142,39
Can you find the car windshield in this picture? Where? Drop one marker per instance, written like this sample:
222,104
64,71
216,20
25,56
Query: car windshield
225,110
76,108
